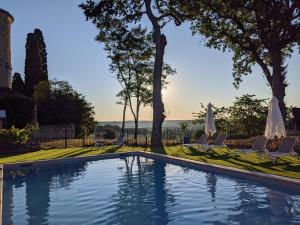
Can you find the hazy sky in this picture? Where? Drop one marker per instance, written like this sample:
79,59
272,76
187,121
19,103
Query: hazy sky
203,75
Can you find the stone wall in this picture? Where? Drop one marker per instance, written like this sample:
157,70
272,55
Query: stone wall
5,50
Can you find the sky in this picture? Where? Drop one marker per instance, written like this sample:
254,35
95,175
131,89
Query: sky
203,75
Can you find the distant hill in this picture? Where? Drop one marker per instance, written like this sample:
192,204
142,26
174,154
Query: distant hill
148,124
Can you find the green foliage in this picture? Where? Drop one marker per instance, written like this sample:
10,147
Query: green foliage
19,109
63,105
256,32
183,127
247,116
42,90
43,53
33,64
132,53
18,85
252,30
109,134
109,16
14,135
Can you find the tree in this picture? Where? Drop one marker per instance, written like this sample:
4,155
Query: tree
248,114
221,117
33,64
63,105
43,53
109,14
257,32
36,61
18,85
19,109
245,117
131,53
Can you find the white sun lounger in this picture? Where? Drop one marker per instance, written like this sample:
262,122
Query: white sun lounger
285,148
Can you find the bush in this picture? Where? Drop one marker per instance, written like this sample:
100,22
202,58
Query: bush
14,136
19,109
109,134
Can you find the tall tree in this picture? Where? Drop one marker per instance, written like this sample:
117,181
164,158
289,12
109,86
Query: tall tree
131,53
36,61
33,64
257,32
18,85
107,14
43,52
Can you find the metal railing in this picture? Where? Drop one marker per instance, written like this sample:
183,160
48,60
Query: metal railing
171,136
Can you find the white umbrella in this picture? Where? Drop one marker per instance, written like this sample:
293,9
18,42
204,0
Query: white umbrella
275,124
210,127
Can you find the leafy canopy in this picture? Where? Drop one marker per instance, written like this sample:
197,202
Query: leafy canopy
252,30
246,116
63,105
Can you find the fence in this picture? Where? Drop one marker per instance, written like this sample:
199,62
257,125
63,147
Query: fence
171,136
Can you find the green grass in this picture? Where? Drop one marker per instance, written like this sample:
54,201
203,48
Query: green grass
285,166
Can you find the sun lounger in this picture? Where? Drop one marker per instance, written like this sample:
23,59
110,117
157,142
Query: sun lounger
219,142
200,142
284,149
258,146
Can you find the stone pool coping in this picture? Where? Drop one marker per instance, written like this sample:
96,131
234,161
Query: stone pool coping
269,180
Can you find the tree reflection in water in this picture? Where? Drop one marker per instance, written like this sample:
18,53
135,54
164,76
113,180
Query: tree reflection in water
142,191
38,182
211,182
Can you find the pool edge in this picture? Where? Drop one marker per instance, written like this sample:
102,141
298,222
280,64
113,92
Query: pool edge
267,179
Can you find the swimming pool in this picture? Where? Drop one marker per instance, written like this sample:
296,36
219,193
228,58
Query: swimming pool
136,190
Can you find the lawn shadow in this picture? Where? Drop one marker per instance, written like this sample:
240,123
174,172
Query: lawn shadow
158,149
112,149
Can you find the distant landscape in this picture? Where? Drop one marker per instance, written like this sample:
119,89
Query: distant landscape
148,124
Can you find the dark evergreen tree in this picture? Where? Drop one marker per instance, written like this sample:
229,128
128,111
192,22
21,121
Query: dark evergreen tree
43,52
18,85
33,64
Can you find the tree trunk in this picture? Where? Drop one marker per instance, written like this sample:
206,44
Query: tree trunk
35,114
158,106
124,117
136,122
278,84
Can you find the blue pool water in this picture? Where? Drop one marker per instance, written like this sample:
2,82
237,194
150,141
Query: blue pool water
140,191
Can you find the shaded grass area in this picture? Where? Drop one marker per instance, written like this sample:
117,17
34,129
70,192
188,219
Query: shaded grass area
284,166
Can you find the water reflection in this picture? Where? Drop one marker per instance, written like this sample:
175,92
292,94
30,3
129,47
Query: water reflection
136,190
7,202
141,191
37,194
260,205
211,182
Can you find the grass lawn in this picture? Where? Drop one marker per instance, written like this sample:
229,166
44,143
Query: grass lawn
285,166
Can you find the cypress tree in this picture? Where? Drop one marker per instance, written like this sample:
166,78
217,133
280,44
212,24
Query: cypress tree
33,64
43,52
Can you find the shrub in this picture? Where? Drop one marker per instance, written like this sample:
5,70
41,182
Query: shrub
19,109
109,134
14,135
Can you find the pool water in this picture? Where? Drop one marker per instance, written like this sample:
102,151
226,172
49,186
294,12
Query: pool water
140,191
